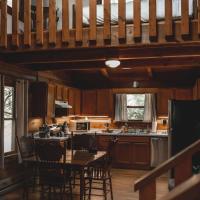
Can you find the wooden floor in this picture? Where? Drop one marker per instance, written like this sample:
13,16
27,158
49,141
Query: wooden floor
123,181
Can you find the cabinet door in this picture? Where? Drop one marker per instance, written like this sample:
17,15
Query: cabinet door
104,102
59,92
123,154
51,101
103,142
162,101
71,101
77,101
141,154
89,101
65,93
183,94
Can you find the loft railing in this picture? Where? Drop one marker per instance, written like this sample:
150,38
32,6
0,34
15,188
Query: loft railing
182,165
40,22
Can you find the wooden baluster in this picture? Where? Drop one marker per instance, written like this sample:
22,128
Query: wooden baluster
39,22
152,20
107,25
15,21
27,23
93,17
148,192
137,20
65,21
168,18
198,16
122,21
79,21
184,17
183,170
3,41
52,22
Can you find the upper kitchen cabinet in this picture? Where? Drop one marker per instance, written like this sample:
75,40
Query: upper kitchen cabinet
183,94
74,99
42,99
61,93
163,96
105,102
65,93
89,102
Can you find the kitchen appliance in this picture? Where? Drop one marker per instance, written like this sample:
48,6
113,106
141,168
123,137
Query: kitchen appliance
184,125
79,125
159,150
61,108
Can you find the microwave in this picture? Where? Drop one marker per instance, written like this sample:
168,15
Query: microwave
80,126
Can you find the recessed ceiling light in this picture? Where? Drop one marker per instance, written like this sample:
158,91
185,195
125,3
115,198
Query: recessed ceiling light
112,63
126,68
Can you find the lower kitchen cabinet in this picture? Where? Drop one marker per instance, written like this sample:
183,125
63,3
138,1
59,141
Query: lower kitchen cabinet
129,151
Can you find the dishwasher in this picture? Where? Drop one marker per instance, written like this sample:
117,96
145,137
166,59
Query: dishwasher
159,150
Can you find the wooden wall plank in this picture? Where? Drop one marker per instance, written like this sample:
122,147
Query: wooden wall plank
39,22
52,22
3,41
93,13
27,23
107,25
15,21
65,21
137,19
79,21
122,19
185,17
152,19
198,16
168,18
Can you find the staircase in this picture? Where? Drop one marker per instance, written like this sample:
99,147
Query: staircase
186,184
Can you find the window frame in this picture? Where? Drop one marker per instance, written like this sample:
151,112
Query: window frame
135,120
13,120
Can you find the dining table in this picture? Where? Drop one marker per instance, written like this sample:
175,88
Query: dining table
78,160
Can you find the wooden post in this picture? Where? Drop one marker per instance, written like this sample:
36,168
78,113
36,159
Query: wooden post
15,21
27,23
52,22
39,22
183,170
137,20
3,41
65,21
152,19
184,17
107,25
122,20
148,192
79,19
168,18
93,28
2,121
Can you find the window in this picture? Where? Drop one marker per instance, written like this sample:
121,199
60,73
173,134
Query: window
9,119
135,106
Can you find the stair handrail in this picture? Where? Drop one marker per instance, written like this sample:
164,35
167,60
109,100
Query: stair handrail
175,161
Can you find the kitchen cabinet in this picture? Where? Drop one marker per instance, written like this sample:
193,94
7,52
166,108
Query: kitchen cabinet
129,152
89,102
163,96
183,94
43,99
74,99
59,92
65,93
105,102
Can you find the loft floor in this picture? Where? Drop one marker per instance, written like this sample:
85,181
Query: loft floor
123,181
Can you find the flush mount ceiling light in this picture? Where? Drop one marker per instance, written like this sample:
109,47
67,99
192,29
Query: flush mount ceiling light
135,84
112,63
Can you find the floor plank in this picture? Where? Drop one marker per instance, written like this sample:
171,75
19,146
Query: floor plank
123,181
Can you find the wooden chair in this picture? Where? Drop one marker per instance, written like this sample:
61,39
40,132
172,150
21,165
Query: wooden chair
99,174
53,174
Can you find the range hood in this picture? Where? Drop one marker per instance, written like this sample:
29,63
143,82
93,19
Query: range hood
62,104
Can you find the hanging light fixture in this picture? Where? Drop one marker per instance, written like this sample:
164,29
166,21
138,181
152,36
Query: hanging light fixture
112,63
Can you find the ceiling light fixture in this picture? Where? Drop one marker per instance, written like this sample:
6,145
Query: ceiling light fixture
135,84
112,63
